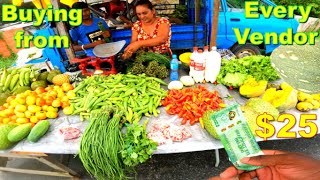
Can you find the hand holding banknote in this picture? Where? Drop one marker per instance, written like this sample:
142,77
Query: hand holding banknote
278,165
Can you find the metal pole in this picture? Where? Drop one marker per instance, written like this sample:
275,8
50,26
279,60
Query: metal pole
214,28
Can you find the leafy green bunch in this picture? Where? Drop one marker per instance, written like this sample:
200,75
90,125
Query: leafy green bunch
137,148
235,72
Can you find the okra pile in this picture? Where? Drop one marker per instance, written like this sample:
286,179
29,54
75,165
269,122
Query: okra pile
136,95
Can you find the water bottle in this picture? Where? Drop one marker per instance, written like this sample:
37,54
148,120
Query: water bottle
192,57
198,74
174,67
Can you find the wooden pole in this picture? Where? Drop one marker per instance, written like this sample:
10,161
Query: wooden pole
63,30
215,20
197,11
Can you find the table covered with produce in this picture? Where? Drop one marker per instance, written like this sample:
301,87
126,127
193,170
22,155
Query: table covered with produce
126,118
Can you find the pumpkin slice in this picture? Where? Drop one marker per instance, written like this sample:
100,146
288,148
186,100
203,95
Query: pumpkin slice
298,66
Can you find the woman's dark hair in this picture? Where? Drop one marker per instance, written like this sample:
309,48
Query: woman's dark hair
80,5
144,3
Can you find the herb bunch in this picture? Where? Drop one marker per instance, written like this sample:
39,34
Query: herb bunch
138,148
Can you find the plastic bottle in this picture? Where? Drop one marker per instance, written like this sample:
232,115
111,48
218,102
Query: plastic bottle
199,67
174,67
103,29
205,55
213,65
192,57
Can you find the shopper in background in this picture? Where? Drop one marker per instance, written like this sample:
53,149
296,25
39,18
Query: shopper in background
88,33
117,13
278,165
149,33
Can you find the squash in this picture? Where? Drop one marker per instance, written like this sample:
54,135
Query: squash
4,131
251,88
298,66
187,80
283,99
175,85
39,130
261,106
19,132
251,118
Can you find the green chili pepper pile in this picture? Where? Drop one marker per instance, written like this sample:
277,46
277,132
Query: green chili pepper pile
138,95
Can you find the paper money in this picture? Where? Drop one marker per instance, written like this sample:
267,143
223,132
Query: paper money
236,136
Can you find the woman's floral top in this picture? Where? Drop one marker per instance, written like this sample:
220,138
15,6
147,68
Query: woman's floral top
142,35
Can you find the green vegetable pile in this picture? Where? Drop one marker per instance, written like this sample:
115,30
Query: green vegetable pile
105,153
152,64
101,143
7,62
136,95
137,147
233,73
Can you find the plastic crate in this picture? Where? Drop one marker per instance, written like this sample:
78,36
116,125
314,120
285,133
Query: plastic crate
51,53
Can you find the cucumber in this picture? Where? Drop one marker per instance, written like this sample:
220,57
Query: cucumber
38,131
20,132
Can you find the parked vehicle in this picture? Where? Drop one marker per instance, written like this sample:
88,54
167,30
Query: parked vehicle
187,36
231,15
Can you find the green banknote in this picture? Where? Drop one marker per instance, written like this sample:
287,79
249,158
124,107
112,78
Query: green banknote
235,135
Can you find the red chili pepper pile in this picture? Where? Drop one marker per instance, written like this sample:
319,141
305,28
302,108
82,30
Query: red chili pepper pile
191,103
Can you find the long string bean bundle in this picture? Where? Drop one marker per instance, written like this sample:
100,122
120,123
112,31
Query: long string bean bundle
101,143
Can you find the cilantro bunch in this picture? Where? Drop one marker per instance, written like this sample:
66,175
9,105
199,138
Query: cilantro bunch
137,148
236,71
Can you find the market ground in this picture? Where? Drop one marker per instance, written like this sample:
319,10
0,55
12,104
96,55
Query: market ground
184,166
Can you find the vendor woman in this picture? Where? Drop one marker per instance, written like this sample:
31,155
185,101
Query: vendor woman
149,33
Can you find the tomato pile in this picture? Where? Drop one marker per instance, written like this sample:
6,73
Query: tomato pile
191,103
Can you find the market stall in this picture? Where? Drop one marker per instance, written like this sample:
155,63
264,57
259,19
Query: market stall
69,125
61,113
200,140
54,143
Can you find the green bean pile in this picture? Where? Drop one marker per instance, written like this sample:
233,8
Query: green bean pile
101,143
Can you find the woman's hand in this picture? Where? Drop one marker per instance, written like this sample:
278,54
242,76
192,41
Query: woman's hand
132,48
277,165
126,55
